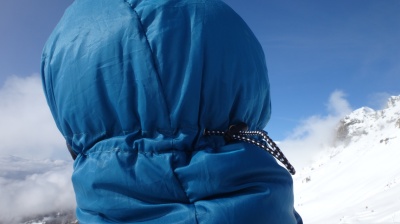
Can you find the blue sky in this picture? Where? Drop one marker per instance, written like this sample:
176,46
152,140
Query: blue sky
312,48
316,47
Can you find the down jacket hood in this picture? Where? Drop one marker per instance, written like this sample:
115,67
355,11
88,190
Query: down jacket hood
133,84
162,70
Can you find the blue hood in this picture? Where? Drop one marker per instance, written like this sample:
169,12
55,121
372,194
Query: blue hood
133,84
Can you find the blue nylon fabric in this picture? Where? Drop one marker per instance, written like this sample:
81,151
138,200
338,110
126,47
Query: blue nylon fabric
133,84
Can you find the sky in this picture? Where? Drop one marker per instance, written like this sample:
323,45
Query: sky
313,49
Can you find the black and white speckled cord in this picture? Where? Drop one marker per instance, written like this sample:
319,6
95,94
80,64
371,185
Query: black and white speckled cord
239,132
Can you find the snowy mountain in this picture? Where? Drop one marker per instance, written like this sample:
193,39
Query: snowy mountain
357,179
64,217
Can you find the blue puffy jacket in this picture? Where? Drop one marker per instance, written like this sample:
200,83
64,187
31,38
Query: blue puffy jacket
133,84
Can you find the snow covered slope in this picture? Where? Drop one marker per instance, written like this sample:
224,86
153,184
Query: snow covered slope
357,180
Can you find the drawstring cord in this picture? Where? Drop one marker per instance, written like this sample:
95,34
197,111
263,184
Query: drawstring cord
239,132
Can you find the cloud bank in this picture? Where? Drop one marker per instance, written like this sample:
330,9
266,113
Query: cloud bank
34,187
315,132
39,183
26,125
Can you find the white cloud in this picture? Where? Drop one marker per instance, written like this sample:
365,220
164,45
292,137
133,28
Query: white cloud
338,105
32,187
37,185
315,132
26,125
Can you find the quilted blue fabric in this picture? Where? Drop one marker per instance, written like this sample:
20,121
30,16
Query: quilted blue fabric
133,84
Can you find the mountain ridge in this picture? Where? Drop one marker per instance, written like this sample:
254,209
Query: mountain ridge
356,180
